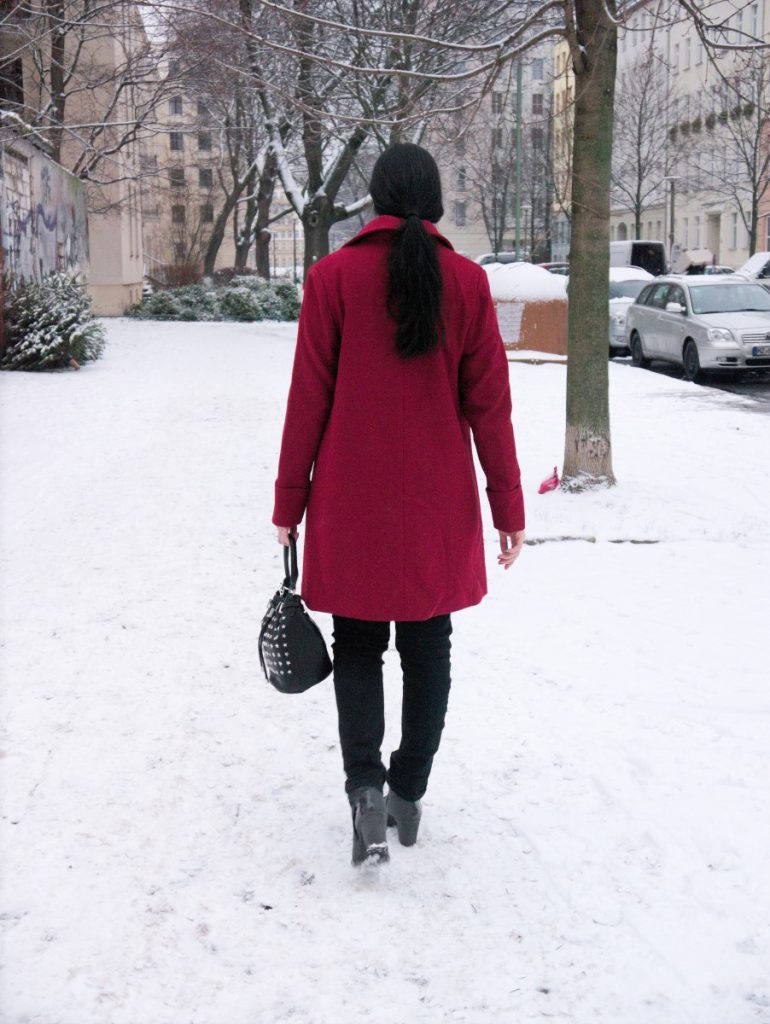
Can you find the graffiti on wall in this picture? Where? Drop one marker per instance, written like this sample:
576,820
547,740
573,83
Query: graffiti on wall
43,216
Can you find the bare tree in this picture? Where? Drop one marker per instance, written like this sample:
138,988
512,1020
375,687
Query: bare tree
644,149
80,79
741,124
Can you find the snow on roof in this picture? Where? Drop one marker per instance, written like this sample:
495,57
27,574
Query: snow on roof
524,281
629,274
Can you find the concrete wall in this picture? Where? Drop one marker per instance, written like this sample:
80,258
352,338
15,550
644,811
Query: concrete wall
43,215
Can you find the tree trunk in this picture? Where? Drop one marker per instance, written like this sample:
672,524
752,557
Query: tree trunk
262,235
587,451
317,219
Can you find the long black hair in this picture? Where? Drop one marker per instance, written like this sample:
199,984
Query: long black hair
406,183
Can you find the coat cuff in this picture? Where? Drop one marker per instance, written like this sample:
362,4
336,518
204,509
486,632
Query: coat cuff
507,509
290,504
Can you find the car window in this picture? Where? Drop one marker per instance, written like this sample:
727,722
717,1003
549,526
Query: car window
657,296
644,295
729,298
626,289
676,294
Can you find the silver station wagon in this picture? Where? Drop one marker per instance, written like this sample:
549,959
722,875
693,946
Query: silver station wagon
701,324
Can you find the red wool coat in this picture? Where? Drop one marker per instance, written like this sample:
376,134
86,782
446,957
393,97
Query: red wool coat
393,519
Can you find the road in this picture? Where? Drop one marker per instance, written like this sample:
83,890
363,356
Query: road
753,385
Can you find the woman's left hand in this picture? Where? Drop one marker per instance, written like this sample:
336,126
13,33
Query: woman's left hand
284,532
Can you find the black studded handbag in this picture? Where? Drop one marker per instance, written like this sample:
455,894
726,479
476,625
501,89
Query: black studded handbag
292,651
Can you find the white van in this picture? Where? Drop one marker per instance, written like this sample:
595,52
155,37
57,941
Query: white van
638,252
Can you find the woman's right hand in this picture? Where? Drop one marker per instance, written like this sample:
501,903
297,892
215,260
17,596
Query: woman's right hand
510,547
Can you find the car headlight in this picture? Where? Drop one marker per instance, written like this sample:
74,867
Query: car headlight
618,318
720,335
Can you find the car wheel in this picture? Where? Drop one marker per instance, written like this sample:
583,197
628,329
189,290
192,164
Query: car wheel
691,361
638,358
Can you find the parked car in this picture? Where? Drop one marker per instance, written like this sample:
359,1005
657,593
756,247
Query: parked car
625,285
501,257
701,323
639,252
556,268
719,269
756,267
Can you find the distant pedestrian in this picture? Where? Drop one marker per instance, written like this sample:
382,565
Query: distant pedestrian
398,360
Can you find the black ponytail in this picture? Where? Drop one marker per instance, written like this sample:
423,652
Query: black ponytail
406,183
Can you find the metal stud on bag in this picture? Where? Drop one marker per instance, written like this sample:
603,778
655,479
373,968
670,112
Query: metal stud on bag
292,651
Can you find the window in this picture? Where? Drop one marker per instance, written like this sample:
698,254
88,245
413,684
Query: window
754,20
497,138
174,67
204,140
176,176
696,241
202,109
537,103
207,213
698,52
537,140
676,294
657,230
687,50
686,233
460,215
657,296
179,253
176,141
460,179
734,231
175,105
460,147
675,60
178,214
205,177
537,70
497,103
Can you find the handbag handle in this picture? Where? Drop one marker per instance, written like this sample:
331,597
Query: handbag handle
290,564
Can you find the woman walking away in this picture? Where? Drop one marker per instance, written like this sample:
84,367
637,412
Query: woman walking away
398,360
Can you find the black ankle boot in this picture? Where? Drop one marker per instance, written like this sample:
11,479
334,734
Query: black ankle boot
405,815
369,838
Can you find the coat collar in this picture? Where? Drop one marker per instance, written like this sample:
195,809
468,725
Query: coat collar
387,223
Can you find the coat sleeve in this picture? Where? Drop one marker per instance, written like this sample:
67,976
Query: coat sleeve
485,400
310,399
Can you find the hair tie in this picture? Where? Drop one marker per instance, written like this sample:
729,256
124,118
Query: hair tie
412,214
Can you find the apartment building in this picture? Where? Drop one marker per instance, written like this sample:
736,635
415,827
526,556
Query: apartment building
187,174
72,88
479,169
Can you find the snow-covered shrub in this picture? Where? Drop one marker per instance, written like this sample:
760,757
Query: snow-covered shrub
289,295
247,299
239,304
197,302
158,306
49,323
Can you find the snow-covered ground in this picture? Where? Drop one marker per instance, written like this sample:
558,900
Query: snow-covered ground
596,838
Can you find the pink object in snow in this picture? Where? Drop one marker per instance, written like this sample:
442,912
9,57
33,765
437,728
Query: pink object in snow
550,484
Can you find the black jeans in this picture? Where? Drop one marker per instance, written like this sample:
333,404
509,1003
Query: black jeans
358,649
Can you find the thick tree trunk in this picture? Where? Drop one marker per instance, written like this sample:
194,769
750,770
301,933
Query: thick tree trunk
317,219
587,452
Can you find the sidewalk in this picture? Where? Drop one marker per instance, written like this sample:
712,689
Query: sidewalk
595,838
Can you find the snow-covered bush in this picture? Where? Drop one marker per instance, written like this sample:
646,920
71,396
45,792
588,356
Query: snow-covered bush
48,324
239,304
197,302
158,306
246,299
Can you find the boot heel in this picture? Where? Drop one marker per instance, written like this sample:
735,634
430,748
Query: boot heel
405,815
369,837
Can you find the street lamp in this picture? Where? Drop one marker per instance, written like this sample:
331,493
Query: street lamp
673,178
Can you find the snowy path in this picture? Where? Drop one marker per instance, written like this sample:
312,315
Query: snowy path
596,838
